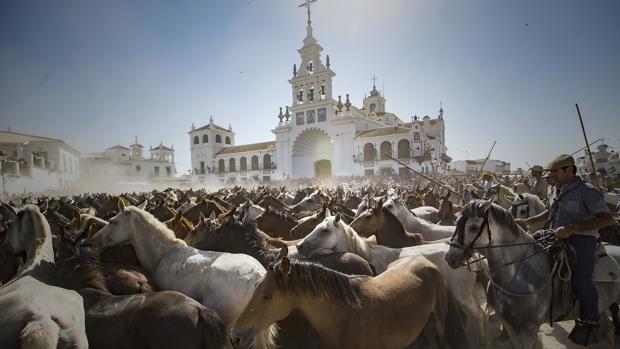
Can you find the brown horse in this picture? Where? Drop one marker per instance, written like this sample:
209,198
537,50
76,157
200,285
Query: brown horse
276,224
446,211
206,207
180,225
386,311
144,321
306,226
381,223
270,201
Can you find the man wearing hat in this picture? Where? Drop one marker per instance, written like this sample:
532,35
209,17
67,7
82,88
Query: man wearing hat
489,181
576,212
539,187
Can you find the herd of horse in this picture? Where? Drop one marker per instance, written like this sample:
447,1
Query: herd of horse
368,267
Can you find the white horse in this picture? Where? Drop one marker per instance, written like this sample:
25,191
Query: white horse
333,235
221,281
413,224
519,273
35,314
248,211
526,206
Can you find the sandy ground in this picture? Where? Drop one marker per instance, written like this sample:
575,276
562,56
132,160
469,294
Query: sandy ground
557,337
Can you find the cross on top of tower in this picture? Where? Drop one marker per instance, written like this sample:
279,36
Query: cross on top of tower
374,82
307,4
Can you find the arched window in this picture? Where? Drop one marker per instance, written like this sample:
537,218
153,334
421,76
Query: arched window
386,148
243,164
404,148
231,165
196,140
205,139
369,152
221,166
227,140
267,162
254,162
218,139
373,107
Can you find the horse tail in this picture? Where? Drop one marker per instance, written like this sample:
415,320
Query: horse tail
40,333
214,332
266,339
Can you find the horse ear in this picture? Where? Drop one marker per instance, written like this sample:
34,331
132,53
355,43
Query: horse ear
328,213
486,205
337,219
285,266
142,206
43,206
201,218
121,205
212,215
283,252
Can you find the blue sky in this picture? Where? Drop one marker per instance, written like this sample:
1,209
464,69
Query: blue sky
94,72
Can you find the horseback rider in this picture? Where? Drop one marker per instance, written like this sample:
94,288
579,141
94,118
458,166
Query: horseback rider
538,185
576,212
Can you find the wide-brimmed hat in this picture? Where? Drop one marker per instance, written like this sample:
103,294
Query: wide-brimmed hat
560,162
536,168
486,174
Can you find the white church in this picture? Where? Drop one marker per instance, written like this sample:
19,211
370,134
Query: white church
319,135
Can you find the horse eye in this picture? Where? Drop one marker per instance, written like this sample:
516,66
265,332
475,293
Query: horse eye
267,296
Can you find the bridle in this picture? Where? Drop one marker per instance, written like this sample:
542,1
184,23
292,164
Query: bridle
457,239
515,207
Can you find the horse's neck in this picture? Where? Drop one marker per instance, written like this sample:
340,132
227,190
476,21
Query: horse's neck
429,230
356,244
324,315
391,229
149,243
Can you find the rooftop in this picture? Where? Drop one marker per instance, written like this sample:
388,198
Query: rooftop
383,132
248,147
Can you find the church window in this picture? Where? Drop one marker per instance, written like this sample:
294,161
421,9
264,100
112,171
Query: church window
310,116
267,162
227,140
205,139
386,149
311,94
373,107
202,167
300,118
322,92
243,164
218,139
254,162
310,68
416,136
221,166
196,140
369,152
322,114
404,148
232,166
300,95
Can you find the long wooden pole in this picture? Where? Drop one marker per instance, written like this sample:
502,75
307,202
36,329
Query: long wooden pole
582,148
488,156
585,137
423,176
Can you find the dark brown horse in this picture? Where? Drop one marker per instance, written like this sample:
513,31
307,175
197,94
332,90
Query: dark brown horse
381,223
276,224
165,319
308,224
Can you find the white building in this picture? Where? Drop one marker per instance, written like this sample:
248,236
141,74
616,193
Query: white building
471,167
319,135
128,163
607,162
34,163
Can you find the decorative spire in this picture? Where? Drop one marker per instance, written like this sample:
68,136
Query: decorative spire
348,103
211,119
294,70
280,115
374,92
309,40
339,105
229,127
287,115
327,62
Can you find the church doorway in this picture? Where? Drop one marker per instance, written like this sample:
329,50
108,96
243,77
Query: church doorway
323,168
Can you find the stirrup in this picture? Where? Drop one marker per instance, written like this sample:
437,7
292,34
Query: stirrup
584,333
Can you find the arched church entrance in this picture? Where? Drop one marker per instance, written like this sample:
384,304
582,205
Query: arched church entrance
312,155
322,168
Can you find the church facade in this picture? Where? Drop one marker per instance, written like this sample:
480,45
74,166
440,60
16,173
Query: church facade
320,135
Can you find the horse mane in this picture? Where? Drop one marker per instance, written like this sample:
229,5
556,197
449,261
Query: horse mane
310,279
159,227
89,268
358,246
